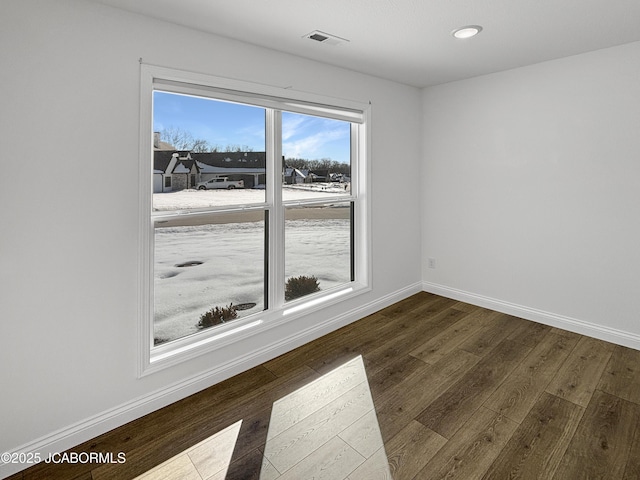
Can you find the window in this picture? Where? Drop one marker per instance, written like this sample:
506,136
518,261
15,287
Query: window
273,224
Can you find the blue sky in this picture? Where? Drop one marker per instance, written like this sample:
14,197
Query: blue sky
223,123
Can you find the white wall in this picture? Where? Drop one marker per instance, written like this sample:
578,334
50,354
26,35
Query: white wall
531,192
68,253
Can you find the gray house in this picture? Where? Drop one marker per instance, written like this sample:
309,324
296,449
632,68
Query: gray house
178,170
173,170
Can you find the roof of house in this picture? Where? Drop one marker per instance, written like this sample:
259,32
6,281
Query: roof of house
161,160
209,162
289,171
183,166
232,159
163,146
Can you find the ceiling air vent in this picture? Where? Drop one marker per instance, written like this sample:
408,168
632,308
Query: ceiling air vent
325,38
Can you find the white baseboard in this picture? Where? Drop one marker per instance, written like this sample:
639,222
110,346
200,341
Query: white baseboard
80,432
600,332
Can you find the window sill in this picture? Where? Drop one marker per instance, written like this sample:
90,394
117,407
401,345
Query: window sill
184,349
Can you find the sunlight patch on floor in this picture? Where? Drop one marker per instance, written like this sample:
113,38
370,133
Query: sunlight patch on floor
208,459
327,429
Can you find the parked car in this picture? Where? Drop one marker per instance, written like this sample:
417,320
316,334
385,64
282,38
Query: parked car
220,182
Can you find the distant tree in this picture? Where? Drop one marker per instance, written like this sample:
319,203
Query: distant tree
238,148
183,140
202,146
179,138
318,164
299,163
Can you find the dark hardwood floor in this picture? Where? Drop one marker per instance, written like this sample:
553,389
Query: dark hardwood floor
428,388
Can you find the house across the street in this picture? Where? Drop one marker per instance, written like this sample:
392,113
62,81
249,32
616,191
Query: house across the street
177,170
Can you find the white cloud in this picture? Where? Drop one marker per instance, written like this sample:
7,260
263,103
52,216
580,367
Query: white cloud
311,146
291,124
310,137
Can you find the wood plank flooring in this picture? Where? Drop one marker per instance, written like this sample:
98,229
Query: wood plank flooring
428,388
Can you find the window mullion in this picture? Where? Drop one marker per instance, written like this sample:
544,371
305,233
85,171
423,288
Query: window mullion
276,215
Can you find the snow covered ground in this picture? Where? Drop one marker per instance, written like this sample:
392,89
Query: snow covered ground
231,256
186,199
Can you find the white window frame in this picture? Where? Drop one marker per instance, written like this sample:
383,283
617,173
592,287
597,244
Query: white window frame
275,100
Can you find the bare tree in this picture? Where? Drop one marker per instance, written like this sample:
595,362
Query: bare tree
322,164
183,140
238,148
200,145
179,138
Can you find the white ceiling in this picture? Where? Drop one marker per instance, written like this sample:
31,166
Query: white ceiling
410,41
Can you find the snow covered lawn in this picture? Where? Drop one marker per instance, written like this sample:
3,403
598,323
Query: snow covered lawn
188,199
225,264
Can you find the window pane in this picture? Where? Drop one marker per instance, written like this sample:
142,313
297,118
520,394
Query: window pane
318,246
317,157
214,263
207,153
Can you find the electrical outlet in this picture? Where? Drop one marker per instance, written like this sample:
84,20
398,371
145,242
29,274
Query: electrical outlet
431,262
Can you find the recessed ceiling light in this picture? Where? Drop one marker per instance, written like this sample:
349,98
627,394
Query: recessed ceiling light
467,32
